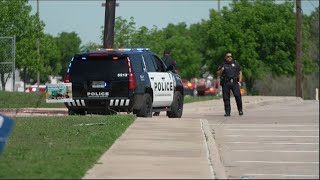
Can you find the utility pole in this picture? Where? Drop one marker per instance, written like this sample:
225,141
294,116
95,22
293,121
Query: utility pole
109,21
298,49
38,50
219,6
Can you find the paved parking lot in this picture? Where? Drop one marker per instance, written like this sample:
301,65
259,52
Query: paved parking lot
279,140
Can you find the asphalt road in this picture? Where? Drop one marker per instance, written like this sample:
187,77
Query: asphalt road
272,140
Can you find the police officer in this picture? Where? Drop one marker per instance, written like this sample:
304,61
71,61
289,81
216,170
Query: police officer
168,61
231,79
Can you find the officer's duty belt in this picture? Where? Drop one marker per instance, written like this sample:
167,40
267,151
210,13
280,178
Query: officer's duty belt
236,79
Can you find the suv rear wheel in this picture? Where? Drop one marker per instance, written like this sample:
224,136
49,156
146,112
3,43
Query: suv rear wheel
146,108
176,106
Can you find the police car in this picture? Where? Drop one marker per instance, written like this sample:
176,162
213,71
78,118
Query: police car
123,80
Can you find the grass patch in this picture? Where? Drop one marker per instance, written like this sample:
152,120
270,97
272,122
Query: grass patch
190,99
54,148
26,100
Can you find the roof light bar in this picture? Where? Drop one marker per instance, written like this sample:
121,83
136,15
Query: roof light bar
125,49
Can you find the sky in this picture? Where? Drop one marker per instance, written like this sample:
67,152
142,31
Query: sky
86,17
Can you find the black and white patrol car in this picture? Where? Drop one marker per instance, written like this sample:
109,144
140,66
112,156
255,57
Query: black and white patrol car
123,80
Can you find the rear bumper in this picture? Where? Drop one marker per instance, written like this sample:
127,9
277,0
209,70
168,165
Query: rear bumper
118,104
103,103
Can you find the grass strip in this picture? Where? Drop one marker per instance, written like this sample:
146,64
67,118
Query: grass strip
26,100
59,147
190,99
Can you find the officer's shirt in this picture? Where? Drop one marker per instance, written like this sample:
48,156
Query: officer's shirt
231,70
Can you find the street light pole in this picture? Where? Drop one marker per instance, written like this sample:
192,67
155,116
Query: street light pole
298,49
108,35
38,50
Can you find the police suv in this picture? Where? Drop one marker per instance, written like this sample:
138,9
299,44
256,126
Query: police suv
123,80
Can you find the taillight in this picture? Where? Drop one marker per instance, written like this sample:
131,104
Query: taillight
132,79
67,78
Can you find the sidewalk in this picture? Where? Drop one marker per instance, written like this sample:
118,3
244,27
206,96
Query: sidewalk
160,148
163,148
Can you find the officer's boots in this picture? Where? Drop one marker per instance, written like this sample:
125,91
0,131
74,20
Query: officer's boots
228,113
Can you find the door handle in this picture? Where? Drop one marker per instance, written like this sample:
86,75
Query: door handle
152,78
163,78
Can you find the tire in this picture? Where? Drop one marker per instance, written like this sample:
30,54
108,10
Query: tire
146,108
176,106
76,112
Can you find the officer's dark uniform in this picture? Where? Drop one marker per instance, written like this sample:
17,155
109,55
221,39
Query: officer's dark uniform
170,62
229,81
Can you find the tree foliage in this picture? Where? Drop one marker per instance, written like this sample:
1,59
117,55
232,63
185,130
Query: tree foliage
16,20
259,33
68,45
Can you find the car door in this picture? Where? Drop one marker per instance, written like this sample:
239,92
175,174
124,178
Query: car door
162,83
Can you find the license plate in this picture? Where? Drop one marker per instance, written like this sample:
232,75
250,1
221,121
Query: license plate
99,84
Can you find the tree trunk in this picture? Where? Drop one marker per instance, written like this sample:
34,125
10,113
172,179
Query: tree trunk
249,84
3,82
24,78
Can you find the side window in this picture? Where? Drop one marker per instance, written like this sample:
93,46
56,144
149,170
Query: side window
149,63
137,63
158,63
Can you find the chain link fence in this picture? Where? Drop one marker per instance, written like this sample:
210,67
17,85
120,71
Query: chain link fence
7,63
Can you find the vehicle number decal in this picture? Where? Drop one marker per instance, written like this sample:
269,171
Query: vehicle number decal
122,75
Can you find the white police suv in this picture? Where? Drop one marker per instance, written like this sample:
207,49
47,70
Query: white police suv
123,80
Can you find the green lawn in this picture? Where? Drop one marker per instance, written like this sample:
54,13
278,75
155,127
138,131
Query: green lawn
26,100
58,147
190,99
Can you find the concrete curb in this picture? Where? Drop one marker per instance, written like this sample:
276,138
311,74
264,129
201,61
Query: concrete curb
213,152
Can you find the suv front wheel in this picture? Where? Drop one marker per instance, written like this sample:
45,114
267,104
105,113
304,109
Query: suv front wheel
176,106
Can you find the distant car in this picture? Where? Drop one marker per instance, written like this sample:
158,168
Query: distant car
189,87
201,86
34,88
212,91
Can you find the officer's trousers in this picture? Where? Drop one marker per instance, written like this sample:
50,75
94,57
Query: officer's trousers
234,87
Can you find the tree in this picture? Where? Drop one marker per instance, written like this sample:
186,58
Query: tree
314,36
123,32
50,57
90,46
187,57
260,34
16,20
68,45
141,37
5,61
177,37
